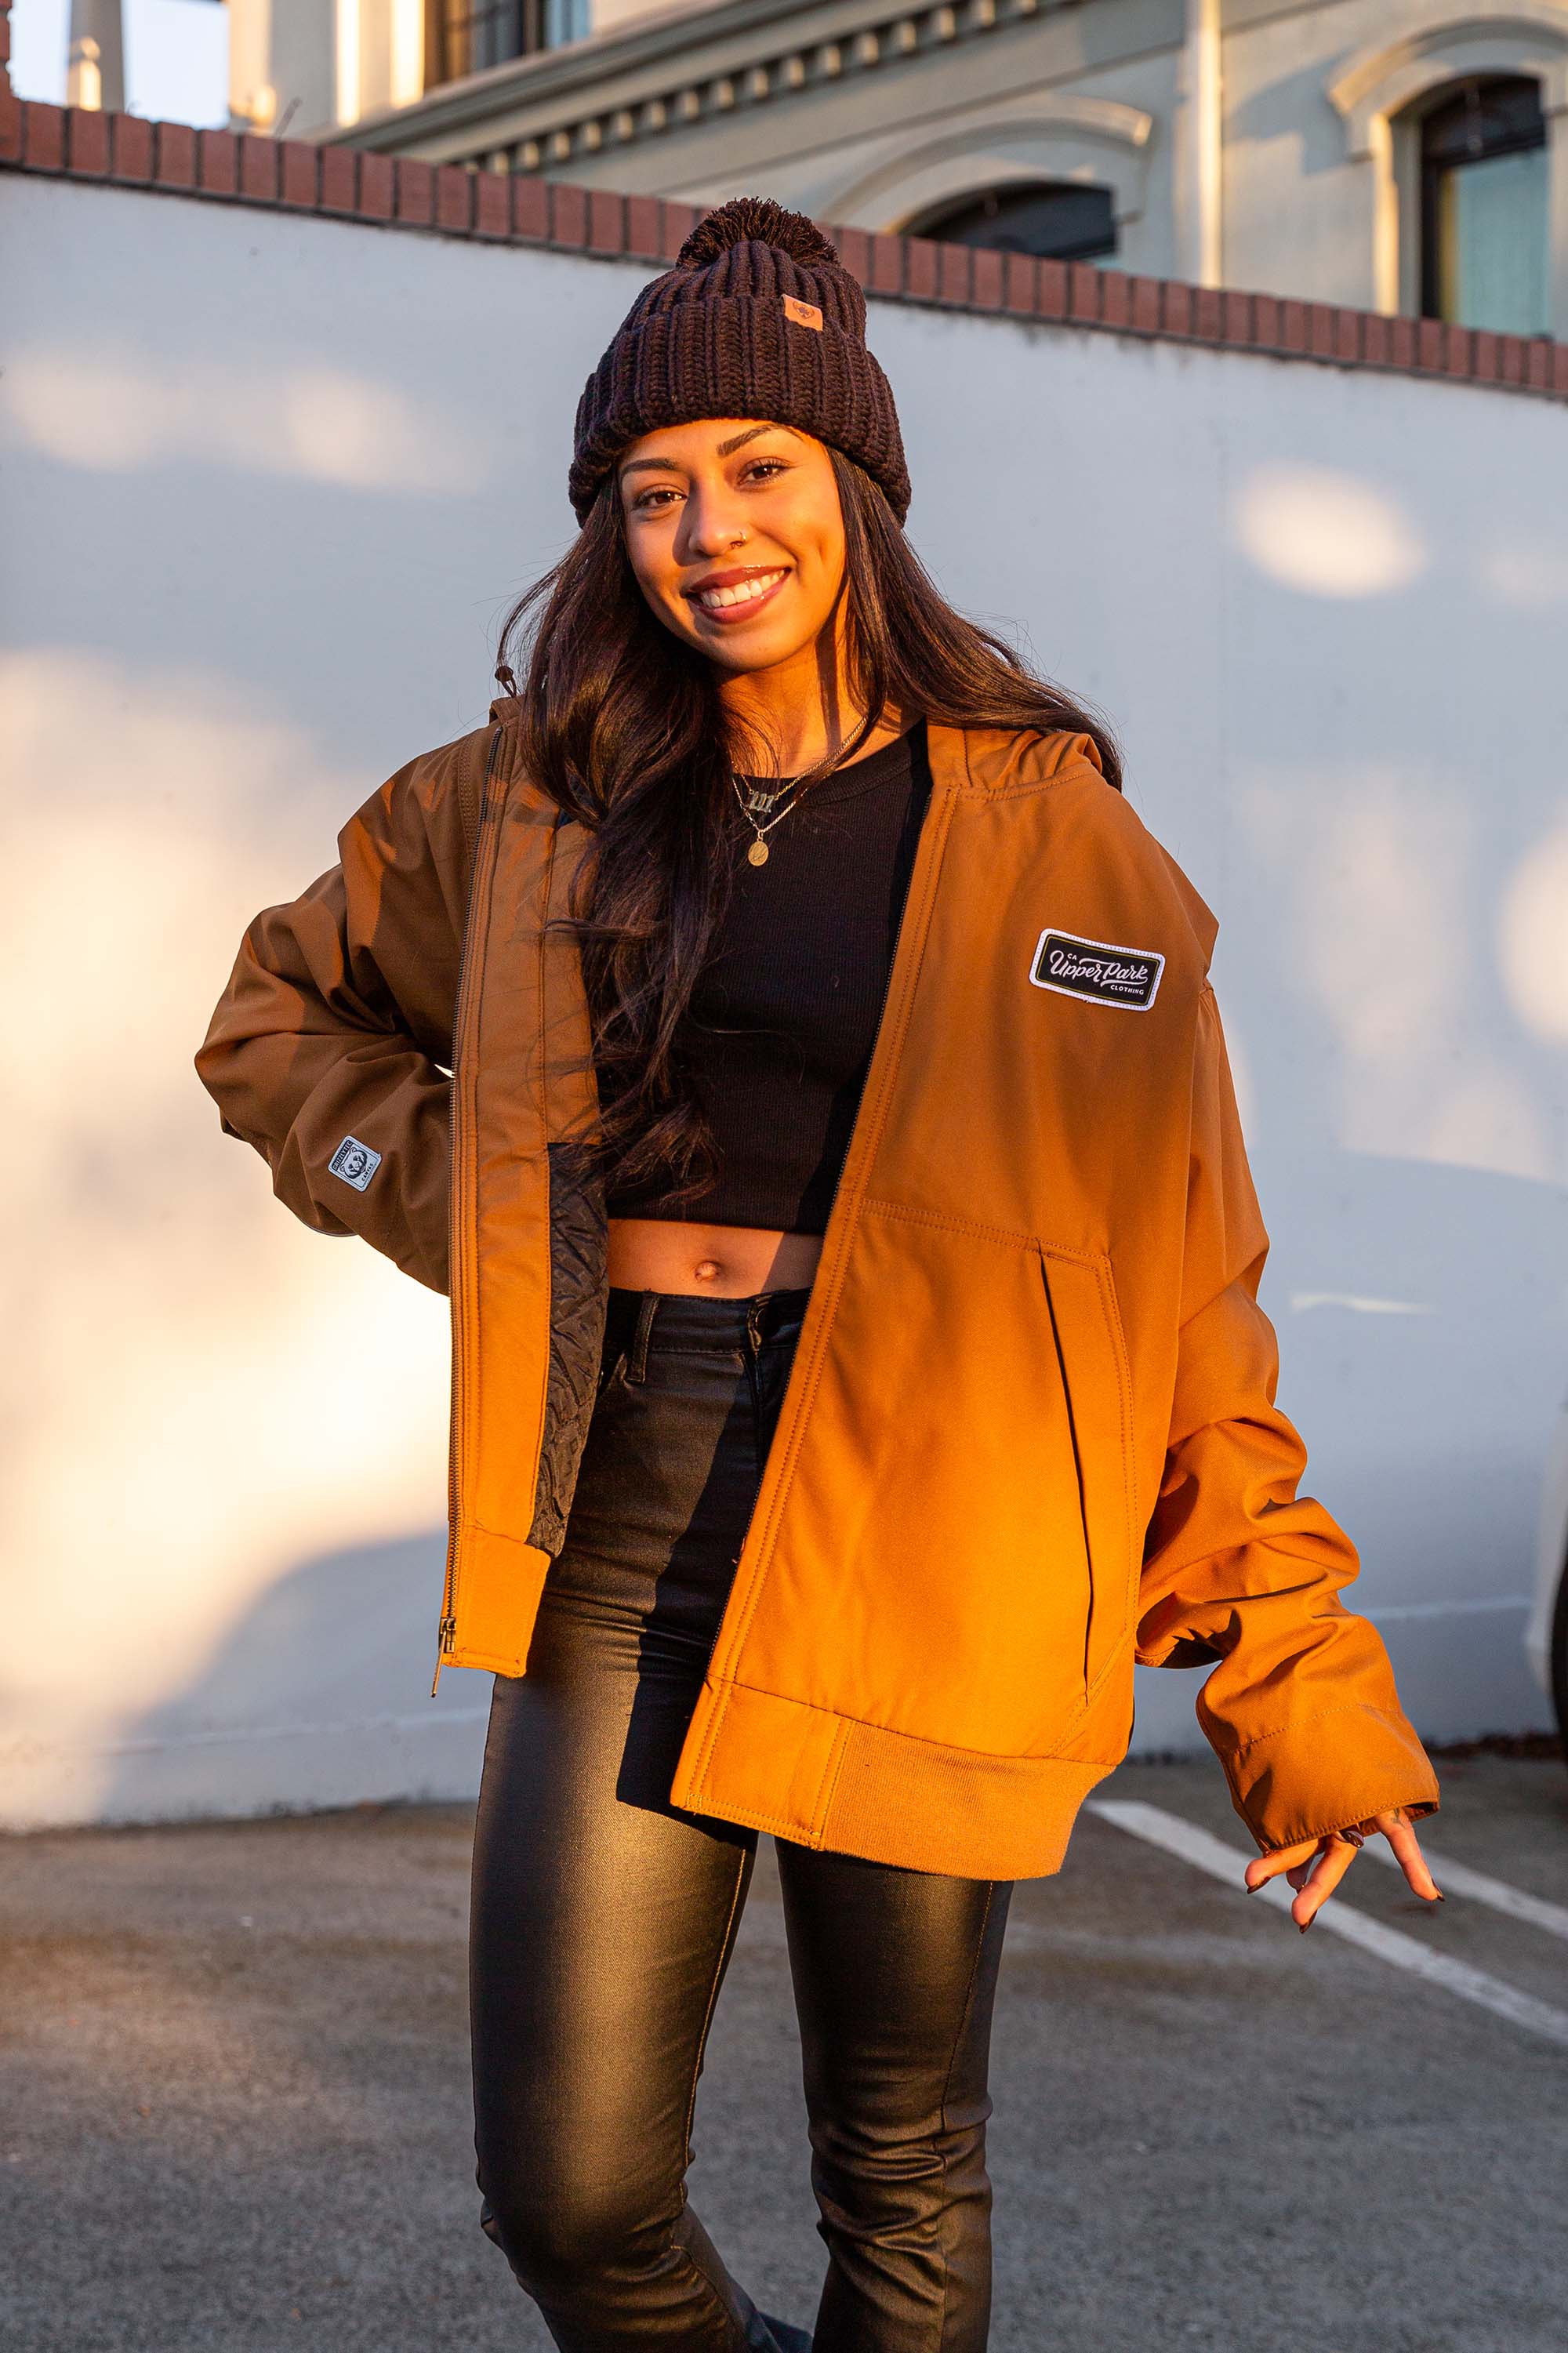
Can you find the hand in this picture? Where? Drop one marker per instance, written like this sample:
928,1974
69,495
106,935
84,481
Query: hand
1316,1867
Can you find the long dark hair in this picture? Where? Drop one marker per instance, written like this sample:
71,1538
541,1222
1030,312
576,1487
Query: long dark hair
623,726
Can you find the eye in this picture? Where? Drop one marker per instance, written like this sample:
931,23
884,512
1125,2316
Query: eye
644,503
776,465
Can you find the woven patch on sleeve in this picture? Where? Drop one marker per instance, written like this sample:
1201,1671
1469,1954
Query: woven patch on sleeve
354,1162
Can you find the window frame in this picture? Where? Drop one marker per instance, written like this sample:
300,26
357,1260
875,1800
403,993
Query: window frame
1431,170
930,223
447,22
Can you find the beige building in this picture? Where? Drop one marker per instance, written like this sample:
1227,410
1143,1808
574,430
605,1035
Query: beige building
1404,156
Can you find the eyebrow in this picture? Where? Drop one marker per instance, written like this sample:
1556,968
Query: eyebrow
672,465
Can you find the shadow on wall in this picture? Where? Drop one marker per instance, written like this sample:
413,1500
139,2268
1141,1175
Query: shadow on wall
320,1696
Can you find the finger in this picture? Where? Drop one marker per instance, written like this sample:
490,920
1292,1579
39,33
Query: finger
1406,1847
1264,1867
1335,1860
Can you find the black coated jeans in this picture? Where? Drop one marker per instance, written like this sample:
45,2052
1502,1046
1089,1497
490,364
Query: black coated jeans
603,1917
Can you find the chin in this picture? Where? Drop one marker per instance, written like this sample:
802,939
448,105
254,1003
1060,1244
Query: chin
760,648
759,657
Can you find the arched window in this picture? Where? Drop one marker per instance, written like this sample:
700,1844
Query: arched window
1484,206
1068,220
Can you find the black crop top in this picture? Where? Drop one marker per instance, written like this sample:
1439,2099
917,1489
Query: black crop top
785,1014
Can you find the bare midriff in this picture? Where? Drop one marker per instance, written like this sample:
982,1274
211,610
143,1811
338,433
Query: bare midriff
724,1261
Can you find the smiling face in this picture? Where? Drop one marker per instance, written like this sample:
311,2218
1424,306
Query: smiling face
736,536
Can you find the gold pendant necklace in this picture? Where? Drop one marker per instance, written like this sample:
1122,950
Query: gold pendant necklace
755,804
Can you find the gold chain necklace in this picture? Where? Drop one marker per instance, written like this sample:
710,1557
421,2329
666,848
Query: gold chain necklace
754,806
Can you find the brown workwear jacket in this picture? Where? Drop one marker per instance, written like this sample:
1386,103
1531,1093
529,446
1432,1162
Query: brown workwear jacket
1030,1430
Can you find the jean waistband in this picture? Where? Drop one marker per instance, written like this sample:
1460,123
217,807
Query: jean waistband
670,1319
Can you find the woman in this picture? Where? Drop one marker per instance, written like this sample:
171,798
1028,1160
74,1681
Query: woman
857,1359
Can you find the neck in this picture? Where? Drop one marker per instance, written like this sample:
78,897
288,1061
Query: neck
801,710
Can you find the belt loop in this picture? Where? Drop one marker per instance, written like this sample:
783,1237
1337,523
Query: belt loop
637,1356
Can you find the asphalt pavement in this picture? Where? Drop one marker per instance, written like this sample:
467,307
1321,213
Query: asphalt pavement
234,2110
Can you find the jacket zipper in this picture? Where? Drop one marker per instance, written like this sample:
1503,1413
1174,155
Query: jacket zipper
930,849
447,1630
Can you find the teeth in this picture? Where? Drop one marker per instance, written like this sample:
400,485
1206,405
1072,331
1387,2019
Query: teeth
746,593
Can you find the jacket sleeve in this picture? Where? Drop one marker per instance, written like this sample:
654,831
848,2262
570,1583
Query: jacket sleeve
1300,1708
335,1029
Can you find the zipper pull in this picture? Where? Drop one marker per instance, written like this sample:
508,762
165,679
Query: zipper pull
446,1634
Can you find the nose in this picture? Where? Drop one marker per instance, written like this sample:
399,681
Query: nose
711,523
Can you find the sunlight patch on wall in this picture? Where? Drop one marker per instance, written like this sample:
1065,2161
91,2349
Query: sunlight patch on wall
1392,922
209,1394
1383,880
114,414
1490,1119
1315,529
1532,578
1355,1303
1238,1055
1532,937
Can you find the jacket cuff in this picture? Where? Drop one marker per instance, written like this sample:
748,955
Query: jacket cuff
1325,1772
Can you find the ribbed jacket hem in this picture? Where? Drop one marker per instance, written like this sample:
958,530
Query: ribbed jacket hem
828,1781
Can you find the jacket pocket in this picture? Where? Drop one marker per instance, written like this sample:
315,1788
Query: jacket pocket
1081,1288
926,1569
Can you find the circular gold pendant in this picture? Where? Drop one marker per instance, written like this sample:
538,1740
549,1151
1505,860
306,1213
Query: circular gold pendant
758,852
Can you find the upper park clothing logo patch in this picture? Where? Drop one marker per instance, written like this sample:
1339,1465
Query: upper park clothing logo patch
354,1162
1096,969
805,314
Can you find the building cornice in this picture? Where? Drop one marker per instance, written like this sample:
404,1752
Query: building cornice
665,72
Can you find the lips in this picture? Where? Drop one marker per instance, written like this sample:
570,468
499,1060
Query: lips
736,596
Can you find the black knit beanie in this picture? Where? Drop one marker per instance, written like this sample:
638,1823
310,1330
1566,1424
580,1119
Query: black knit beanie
758,318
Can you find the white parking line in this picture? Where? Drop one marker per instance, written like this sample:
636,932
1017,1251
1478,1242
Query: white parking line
1459,1879
1176,1837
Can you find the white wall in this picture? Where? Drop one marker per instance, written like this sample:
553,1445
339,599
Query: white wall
270,484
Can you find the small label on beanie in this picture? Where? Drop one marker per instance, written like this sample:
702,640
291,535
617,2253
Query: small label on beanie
805,314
